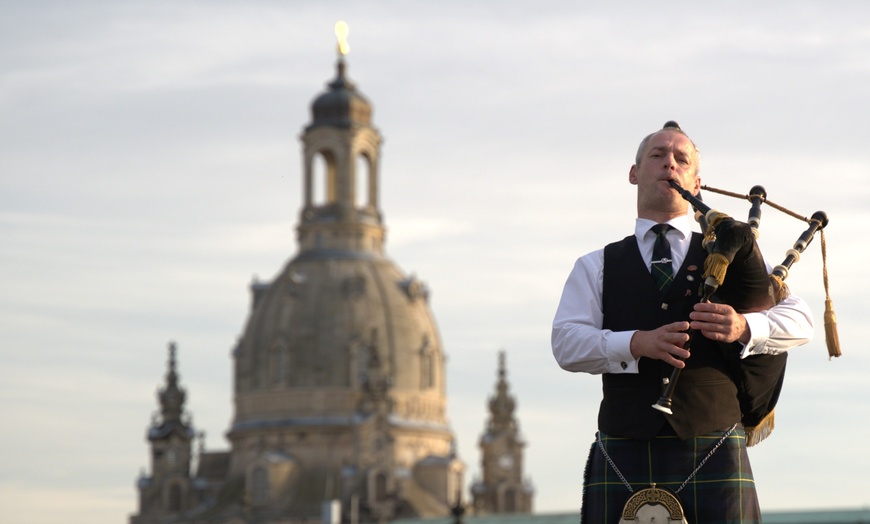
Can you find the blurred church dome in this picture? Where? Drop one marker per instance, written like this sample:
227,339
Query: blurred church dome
309,340
340,366
339,382
308,345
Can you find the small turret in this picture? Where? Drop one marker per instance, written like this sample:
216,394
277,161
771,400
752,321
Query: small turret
168,490
502,488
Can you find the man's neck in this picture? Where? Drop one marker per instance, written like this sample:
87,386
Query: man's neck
660,217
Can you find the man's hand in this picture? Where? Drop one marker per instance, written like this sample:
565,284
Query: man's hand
664,343
719,322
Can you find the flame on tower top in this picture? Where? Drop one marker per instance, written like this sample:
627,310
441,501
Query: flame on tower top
341,31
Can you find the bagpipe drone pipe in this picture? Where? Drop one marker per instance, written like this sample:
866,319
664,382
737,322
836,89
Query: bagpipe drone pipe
735,274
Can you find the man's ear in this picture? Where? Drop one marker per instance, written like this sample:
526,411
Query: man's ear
632,176
697,185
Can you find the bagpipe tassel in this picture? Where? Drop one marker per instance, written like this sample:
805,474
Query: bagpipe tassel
780,289
831,337
716,266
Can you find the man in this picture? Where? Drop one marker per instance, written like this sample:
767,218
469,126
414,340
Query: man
616,320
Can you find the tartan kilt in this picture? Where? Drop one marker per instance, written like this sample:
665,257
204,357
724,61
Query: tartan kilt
722,492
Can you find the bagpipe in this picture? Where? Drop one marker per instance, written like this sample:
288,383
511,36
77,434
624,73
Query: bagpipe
735,274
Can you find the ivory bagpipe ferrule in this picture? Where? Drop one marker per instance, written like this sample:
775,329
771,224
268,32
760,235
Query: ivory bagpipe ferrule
757,195
818,221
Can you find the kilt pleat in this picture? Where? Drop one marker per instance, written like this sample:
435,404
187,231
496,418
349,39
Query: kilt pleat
722,492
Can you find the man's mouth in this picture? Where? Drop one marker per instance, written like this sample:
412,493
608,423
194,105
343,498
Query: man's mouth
672,183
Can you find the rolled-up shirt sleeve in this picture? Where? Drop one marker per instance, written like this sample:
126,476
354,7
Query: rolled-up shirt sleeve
579,343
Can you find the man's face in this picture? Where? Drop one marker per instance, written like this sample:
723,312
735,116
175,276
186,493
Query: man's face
667,156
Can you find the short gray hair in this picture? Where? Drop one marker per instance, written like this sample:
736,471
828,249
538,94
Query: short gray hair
670,125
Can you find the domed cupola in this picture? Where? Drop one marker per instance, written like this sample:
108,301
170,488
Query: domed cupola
342,105
341,151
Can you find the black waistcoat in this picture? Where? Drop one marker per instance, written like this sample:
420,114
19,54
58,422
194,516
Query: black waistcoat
705,398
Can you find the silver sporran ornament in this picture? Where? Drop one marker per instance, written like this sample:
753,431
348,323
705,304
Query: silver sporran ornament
653,505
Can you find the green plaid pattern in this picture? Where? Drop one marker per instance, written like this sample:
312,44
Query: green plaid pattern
722,492
662,267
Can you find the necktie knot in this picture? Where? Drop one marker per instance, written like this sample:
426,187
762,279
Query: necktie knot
662,268
661,229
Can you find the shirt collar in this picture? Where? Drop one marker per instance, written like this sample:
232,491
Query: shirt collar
683,224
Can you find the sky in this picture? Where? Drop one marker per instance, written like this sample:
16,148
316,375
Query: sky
150,169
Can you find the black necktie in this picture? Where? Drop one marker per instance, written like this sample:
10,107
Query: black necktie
662,269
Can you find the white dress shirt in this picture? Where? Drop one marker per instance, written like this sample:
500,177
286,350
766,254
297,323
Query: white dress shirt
580,344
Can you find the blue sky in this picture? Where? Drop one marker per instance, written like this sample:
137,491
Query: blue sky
150,169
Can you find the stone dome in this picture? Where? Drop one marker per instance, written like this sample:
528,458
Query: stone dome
339,387
340,366
306,350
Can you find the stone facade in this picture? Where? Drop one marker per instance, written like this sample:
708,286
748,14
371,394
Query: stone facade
340,408
339,403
